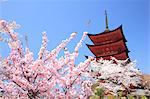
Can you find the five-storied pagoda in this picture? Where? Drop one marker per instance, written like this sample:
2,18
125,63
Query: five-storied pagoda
110,43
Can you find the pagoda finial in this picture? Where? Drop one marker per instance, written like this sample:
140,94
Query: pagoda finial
26,39
106,19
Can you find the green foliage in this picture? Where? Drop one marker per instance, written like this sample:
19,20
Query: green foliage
94,86
120,94
144,97
99,92
111,97
130,96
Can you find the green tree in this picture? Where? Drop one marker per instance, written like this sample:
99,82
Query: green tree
99,92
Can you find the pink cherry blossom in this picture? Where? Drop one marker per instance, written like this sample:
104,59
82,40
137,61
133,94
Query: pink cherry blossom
48,76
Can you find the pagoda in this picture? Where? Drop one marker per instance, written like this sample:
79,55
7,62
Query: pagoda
110,43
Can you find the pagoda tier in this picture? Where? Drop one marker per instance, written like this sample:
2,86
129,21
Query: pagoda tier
108,49
121,56
107,36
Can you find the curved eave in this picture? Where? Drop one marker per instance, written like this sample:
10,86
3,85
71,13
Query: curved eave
107,43
105,32
116,54
127,51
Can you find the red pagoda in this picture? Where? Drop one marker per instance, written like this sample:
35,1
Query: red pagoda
109,43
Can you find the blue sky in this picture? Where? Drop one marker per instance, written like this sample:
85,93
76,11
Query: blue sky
59,18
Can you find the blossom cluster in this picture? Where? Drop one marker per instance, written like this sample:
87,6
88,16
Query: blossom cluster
117,75
48,77
53,77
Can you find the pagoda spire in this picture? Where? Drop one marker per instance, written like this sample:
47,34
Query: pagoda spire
106,20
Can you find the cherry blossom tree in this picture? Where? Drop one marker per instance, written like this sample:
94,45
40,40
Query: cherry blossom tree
117,75
48,77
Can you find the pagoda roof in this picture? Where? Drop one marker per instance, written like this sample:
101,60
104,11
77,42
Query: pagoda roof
120,56
108,49
108,36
